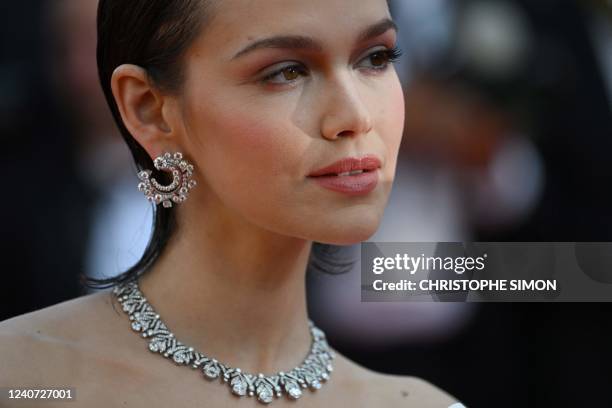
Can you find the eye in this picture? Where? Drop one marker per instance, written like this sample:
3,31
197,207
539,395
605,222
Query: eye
382,58
290,73
286,75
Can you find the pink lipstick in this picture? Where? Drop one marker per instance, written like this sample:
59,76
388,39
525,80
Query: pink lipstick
351,175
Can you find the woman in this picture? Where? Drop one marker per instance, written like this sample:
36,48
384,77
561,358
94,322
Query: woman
257,111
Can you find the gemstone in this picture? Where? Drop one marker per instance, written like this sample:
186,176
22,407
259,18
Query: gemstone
264,393
239,385
309,379
211,370
167,204
317,332
293,389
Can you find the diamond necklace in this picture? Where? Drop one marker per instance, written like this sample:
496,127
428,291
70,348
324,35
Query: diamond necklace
314,370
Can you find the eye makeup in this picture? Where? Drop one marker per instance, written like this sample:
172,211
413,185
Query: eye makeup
386,56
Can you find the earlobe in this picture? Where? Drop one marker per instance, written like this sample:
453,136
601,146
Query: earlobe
141,108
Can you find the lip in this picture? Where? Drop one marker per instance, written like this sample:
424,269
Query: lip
368,162
358,184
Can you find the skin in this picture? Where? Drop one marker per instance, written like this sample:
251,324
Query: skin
231,282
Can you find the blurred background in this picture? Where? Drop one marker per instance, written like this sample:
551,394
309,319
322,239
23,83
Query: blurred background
508,137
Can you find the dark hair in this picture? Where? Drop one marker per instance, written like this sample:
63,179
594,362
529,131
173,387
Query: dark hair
154,34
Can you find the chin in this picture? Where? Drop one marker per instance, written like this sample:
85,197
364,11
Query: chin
349,232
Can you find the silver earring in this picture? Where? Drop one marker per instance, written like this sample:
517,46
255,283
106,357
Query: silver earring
177,191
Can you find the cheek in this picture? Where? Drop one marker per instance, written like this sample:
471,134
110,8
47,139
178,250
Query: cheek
256,148
393,119
398,111
244,153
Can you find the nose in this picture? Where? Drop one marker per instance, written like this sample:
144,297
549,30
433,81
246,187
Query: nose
345,112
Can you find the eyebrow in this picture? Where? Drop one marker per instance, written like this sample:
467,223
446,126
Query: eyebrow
302,42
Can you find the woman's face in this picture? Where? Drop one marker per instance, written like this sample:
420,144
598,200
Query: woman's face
257,124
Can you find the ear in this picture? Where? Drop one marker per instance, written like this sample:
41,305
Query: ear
144,109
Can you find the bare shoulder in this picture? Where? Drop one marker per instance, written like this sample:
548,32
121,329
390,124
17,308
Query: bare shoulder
396,390
58,315
65,322
426,393
58,344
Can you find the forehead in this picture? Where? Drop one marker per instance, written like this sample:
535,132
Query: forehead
238,22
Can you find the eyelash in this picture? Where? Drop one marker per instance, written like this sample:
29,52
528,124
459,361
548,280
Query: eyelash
391,55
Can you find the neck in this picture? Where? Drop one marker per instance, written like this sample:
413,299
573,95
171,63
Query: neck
233,291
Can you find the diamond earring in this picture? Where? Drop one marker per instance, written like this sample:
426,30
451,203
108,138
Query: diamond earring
177,191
